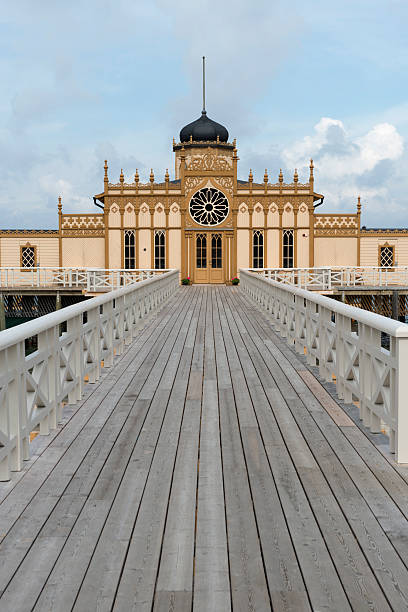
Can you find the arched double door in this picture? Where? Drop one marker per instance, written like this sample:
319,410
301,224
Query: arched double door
209,257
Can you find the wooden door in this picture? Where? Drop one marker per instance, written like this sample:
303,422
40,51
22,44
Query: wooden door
216,259
209,257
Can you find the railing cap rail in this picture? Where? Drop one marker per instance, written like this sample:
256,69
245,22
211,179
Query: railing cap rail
317,268
11,336
379,322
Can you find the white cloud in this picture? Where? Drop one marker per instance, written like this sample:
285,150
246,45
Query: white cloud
349,164
339,153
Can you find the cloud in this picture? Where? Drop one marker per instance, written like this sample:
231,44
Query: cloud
117,79
348,164
245,45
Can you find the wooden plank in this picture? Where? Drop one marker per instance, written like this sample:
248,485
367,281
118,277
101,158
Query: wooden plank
121,486
209,471
385,563
249,588
137,581
84,478
211,570
286,585
391,518
110,384
332,408
175,578
319,573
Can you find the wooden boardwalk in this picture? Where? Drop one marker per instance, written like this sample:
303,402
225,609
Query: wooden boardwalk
209,471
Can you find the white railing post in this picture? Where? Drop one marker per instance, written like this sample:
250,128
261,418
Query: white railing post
108,334
17,402
93,343
74,330
401,400
46,384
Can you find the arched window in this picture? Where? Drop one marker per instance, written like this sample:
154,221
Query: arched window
201,250
130,252
216,251
159,250
258,249
287,248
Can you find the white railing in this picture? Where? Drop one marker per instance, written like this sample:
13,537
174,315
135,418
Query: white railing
327,279
34,387
87,279
321,328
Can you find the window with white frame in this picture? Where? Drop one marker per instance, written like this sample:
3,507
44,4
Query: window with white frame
130,249
287,259
159,249
258,249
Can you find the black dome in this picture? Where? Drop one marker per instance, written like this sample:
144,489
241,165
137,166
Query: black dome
204,129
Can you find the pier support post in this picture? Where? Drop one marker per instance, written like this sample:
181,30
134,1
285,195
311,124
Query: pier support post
2,313
58,302
395,305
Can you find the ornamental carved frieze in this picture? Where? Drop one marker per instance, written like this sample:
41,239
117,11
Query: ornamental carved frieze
335,232
83,222
225,182
192,182
79,233
209,161
346,222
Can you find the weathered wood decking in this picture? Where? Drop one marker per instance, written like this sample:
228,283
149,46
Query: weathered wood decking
208,470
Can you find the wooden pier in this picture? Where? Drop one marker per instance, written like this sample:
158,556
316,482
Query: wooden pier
208,470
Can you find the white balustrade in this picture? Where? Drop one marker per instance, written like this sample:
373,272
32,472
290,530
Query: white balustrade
92,280
364,371
329,278
34,387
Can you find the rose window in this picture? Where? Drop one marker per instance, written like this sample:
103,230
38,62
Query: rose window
209,206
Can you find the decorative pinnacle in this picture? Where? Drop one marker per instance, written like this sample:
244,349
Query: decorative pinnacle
136,176
151,175
359,204
295,176
311,168
59,204
280,176
122,178
234,143
166,176
266,176
174,142
106,171
250,178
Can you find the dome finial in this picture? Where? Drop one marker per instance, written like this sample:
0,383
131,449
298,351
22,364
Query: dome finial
204,111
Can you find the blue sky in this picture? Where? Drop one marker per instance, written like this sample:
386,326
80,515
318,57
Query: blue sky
85,81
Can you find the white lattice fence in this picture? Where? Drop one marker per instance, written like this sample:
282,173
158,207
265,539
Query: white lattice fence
34,387
92,280
321,328
326,279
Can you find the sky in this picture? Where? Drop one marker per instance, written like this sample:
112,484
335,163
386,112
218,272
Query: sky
82,82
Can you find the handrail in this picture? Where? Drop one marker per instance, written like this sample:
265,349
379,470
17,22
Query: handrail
89,279
321,328
327,278
34,387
